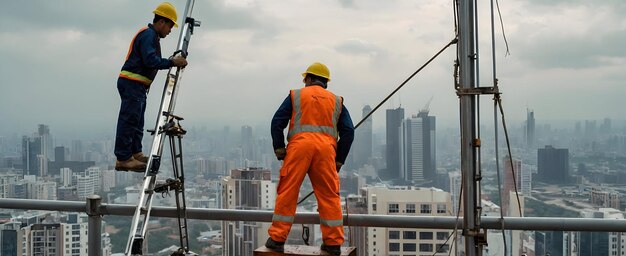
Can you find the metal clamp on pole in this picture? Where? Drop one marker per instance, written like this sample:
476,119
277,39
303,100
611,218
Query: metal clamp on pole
94,225
476,91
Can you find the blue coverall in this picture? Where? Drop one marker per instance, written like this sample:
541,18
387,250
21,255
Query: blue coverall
142,63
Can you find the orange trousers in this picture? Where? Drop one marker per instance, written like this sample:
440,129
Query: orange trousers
311,153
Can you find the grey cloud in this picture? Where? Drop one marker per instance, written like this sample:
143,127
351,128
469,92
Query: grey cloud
572,52
614,3
119,14
356,47
347,3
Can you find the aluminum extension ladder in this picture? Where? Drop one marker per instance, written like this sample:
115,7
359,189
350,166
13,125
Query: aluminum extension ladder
167,124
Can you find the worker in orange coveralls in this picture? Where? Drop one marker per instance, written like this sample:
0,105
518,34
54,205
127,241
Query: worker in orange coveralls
316,119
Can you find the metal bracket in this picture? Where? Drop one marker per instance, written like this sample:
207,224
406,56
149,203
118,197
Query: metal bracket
477,91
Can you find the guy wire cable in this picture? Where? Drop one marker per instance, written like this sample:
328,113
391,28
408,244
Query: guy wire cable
392,93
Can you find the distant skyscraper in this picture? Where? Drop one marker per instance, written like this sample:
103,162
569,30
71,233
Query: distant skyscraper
31,149
59,154
47,149
455,190
420,159
530,129
362,147
605,127
247,189
394,150
247,143
553,165
590,130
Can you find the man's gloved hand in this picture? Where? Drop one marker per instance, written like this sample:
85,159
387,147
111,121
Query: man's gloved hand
339,165
179,61
280,153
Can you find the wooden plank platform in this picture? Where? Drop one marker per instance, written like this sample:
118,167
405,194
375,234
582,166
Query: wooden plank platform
301,250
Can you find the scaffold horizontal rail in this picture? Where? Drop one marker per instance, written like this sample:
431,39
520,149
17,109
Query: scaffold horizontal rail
362,220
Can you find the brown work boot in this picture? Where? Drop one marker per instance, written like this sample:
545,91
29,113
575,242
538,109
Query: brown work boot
131,164
141,157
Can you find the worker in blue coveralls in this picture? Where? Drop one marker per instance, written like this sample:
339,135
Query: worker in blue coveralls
140,67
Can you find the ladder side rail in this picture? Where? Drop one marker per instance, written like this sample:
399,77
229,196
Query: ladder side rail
145,198
176,189
167,106
181,176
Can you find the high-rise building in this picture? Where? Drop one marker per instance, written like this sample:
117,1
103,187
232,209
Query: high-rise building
530,129
412,201
455,191
362,148
8,237
88,182
553,165
521,183
107,180
394,151
604,198
7,182
31,149
420,149
63,236
602,243
247,143
247,189
357,236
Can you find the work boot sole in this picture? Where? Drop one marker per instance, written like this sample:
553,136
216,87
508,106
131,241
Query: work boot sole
124,169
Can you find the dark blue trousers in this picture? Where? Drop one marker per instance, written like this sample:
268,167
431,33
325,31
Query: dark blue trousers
131,118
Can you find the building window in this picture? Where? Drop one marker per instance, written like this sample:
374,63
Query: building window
426,235
373,207
394,234
410,208
409,235
394,208
425,208
442,235
441,208
394,247
408,247
426,247
443,247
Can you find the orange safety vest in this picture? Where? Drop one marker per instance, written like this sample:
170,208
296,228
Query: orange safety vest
314,110
134,76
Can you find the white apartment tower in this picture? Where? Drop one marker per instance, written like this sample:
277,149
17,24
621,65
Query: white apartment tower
246,189
88,183
54,238
408,201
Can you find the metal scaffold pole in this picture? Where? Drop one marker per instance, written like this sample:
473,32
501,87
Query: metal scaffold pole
467,55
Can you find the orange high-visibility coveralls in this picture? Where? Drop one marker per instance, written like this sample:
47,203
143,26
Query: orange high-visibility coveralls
311,149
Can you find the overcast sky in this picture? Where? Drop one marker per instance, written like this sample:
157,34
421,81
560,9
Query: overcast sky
61,59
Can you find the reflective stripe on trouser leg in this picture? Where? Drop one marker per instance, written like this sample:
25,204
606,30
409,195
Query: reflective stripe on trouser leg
295,166
325,181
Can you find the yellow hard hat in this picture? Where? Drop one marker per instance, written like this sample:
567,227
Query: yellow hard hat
168,11
318,69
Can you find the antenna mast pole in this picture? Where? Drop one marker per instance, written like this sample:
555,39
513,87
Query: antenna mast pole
467,54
